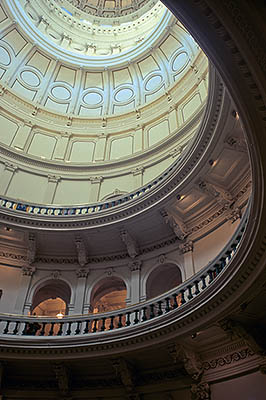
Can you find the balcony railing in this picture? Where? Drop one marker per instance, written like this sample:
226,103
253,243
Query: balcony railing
83,210
87,325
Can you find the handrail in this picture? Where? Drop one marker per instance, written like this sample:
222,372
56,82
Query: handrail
132,315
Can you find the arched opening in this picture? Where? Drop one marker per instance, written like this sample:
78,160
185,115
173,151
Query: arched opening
51,299
108,294
162,279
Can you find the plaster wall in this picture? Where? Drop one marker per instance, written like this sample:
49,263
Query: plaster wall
247,387
9,284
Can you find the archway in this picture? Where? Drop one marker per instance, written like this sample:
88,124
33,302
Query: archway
51,299
162,278
108,294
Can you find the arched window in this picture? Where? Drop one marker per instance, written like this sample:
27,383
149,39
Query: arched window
108,294
51,299
162,279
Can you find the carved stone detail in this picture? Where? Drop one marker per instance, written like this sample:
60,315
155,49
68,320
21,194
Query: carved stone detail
32,248
135,265
201,391
179,229
189,358
10,167
137,171
126,373
28,271
237,144
81,251
131,244
82,273
96,179
56,274
235,331
62,377
221,196
186,247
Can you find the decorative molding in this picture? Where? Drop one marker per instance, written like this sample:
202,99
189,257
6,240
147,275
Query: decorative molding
62,377
82,273
56,274
130,242
189,358
186,247
237,144
228,359
179,229
32,248
135,265
28,271
81,251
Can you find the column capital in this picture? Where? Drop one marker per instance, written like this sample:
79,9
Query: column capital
82,272
54,178
10,167
137,171
96,179
186,247
135,265
28,271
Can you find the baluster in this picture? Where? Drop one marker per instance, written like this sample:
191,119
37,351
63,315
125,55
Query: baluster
223,262
103,324
210,273
43,329
197,291
77,331
60,330
144,316
111,327
86,330
95,326
167,306
136,320
190,295
203,279
15,330
24,332
119,325
175,305
152,315
183,300
5,332
128,319
51,331
68,332
160,311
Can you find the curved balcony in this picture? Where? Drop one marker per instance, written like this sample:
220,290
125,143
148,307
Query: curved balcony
140,318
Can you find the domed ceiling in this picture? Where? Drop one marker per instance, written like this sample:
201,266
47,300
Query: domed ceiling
85,90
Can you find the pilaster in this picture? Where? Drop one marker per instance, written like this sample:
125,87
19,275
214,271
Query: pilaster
6,177
51,189
135,268
25,281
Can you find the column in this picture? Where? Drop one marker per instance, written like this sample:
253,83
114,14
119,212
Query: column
22,136
50,189
95,188
135,268
82,274
26,277
99,154
7,176
61,146
187,250
137,177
